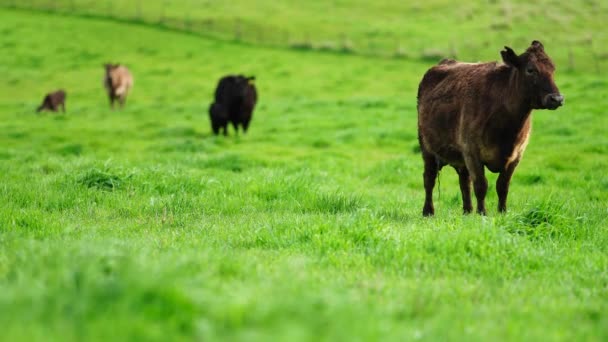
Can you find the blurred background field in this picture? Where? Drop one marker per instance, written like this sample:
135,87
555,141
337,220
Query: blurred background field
413,30
141,225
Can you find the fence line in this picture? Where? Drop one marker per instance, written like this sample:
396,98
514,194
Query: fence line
238,30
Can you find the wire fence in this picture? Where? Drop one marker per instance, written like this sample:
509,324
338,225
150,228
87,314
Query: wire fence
584,55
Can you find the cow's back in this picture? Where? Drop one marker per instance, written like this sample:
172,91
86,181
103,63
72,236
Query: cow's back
453,79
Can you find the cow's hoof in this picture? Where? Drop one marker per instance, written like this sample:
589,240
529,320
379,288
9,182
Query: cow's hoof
428,211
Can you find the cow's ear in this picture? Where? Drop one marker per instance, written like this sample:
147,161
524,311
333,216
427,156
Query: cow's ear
538,45
509,57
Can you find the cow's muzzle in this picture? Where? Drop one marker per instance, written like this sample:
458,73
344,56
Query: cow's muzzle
553,101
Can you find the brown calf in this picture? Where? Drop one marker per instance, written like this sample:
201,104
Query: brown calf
117,81
476,115
52,101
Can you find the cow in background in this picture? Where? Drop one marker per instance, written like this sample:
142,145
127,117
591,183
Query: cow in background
117,81
235,99
52,101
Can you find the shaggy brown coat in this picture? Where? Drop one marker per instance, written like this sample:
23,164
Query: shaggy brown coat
117,81
476,115
52,101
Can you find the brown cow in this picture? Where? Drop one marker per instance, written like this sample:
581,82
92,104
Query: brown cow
117,81
472,115
52,101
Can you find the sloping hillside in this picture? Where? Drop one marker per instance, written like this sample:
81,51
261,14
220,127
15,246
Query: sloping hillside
428,30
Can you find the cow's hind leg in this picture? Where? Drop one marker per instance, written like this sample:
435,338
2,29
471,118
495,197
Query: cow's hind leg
112,99
430,175
502,185
480,183
465,189
215,127
245,126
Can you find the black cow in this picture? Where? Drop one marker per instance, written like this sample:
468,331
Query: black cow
235,98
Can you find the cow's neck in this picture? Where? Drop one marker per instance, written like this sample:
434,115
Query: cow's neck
516,102
510,109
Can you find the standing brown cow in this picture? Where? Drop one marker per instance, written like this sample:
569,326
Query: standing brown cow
476,115
117,81
52,101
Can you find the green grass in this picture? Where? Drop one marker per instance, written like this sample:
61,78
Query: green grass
138,224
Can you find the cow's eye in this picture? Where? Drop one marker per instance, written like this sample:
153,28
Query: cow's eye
531,71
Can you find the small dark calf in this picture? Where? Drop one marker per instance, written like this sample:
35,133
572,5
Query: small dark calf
219,118
235,99
52,101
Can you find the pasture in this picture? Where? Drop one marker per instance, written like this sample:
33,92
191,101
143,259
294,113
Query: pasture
139,224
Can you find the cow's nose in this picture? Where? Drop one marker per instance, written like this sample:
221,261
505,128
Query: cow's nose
556,99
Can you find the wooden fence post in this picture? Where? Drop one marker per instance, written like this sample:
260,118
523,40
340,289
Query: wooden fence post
138,14
596,61
188,22
237,29
161,16
570,60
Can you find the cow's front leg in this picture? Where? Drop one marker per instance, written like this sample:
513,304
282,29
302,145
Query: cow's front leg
502,185
112,99
480,183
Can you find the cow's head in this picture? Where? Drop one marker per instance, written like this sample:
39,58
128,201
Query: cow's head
109,67
535,70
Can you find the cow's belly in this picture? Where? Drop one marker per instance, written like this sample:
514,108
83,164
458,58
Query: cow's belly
450,155
497,161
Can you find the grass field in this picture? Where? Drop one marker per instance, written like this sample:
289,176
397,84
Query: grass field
404,29
141,225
